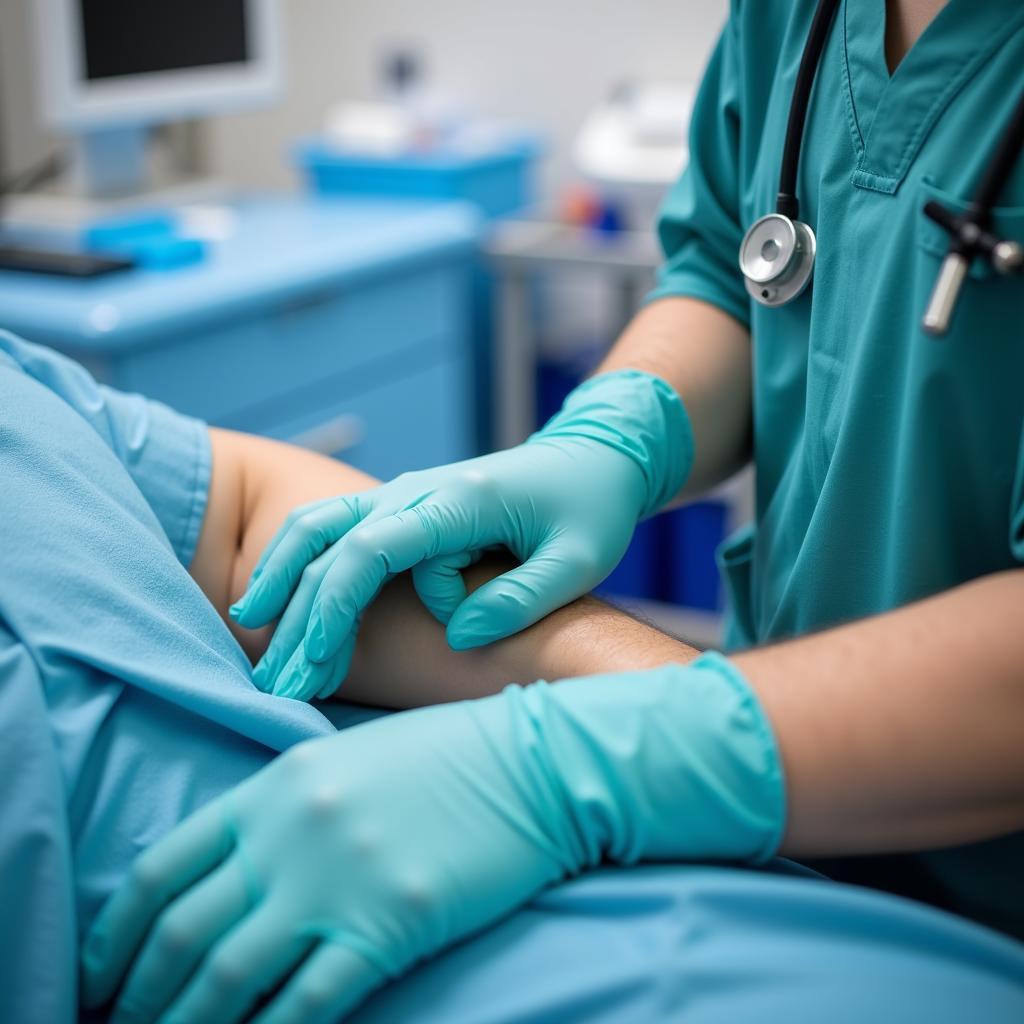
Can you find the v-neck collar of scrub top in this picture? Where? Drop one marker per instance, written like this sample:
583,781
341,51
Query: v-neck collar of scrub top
891,116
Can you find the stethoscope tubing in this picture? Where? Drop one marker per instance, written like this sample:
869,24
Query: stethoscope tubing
778,250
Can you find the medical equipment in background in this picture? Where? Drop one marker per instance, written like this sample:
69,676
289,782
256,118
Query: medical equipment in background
416,141
632,147
629,151
408,115
109,70
778,251
497,180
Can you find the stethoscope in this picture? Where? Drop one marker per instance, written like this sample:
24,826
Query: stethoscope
777,252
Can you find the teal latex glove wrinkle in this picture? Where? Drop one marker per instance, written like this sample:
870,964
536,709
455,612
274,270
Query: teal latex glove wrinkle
565,503
352,857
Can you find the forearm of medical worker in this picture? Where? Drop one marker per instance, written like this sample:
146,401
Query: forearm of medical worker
402,658
915,735
904,731
704,354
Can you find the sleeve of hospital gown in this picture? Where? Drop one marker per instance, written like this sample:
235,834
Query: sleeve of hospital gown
166,454
699,226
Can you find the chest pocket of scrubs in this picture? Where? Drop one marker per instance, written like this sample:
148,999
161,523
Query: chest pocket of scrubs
988,298
984,348
969,384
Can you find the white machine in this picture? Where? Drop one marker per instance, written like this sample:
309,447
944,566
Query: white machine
634,147
111,69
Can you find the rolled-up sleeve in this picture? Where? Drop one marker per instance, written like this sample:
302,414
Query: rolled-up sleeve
699,225
166,454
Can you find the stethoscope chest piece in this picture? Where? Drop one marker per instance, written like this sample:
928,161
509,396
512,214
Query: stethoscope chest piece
777,259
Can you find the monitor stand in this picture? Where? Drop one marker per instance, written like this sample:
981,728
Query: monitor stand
46,241
111,176
42,232
111,163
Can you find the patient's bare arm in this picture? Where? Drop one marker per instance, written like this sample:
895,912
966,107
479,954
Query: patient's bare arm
401,658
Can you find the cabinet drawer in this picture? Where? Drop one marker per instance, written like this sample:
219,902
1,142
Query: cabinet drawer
220,373
419,420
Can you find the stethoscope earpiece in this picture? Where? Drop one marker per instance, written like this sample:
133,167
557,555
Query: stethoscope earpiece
777,259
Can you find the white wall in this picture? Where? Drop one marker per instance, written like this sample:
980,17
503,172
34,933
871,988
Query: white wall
541,62
24,141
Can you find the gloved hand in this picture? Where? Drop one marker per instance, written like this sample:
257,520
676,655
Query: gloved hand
565,503
350,858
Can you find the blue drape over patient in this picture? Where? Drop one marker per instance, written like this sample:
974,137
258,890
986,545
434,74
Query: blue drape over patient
125,703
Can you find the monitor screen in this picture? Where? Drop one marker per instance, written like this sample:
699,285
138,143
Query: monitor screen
130,37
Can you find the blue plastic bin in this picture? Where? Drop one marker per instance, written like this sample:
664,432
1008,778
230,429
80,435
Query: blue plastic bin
498,182
694,533
639,572
150,238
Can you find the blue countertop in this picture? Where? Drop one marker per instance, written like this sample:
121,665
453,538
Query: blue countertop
283,248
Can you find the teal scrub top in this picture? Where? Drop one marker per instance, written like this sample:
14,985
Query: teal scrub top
890,465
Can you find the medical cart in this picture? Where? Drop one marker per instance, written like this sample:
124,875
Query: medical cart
341,325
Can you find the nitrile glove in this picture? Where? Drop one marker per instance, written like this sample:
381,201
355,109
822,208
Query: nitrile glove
350,858
565,503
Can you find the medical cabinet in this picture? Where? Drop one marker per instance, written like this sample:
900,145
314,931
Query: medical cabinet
341,325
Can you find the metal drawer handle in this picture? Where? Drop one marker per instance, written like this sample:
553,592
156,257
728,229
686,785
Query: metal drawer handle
308,302
333,435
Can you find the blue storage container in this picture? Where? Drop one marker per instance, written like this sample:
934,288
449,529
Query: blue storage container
694,533
639,572
497,182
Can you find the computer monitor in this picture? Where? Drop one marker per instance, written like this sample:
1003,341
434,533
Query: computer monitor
110,64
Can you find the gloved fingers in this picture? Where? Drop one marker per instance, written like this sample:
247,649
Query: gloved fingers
157,876
305,535
550,578
302,679
342,661
291,629
282,531
329,985
367,557
439,583
248,962
182,934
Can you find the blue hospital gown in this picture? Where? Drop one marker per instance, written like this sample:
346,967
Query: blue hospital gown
125,703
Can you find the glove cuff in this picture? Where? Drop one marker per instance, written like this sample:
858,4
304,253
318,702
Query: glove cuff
673,763
639,415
